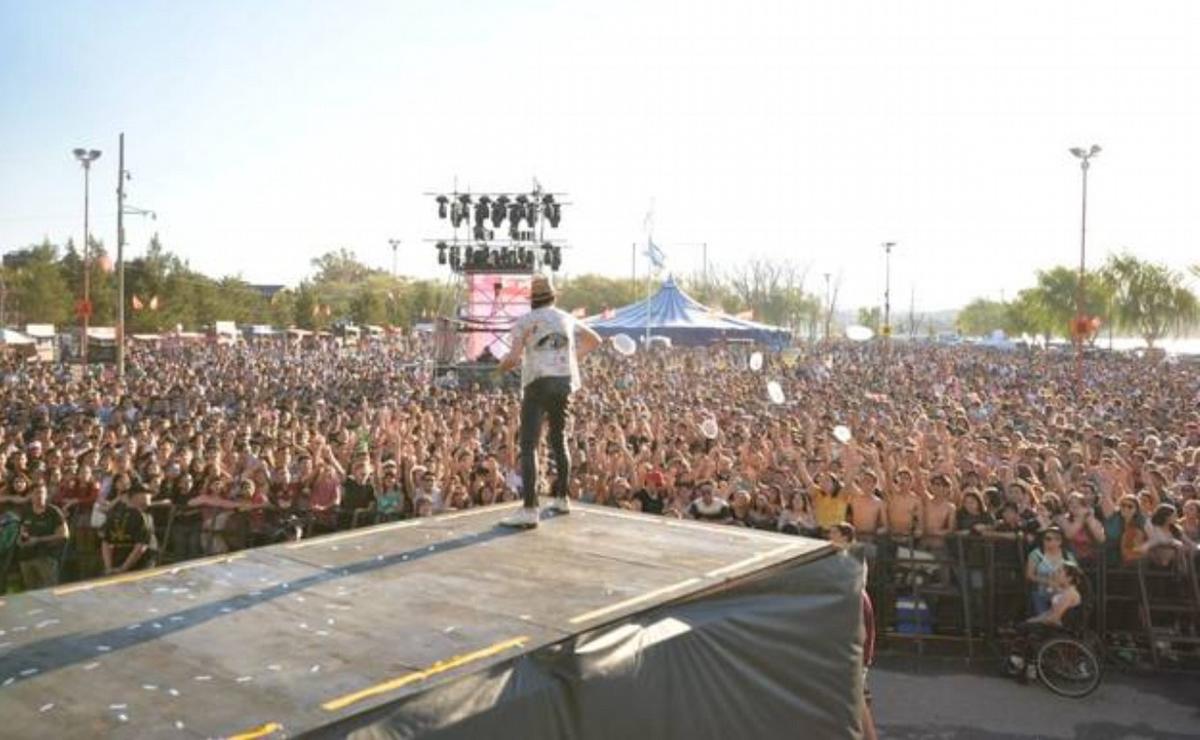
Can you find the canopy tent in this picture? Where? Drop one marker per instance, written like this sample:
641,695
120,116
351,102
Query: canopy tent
685,321
15,338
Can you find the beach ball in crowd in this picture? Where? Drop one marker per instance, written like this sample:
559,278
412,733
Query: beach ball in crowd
775,392
858,333
756,361
841,433
709,428
624,344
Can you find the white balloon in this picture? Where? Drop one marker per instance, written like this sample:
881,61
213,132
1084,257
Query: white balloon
841,433
857,333
756,361
774,392
709,428
624,344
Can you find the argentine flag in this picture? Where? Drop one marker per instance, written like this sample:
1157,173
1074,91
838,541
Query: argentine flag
657,257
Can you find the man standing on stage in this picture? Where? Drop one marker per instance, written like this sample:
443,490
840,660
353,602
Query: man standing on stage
548,343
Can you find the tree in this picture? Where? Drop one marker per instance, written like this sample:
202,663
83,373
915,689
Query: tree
340,266
1149,299
1026,315
39,292
368,307
981,317
871,318
594,293
773,290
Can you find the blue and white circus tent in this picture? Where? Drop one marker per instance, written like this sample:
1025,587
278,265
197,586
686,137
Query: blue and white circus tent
685,321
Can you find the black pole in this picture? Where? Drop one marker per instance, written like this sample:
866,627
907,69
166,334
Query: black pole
121,256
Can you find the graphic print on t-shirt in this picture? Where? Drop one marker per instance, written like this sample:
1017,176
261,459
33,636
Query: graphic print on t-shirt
553,342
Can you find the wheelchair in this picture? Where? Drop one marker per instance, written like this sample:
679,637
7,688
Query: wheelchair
1066,658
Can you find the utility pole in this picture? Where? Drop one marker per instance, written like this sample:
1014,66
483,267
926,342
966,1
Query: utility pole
887,289
912,311
633,261
121,256
828,307
705,265
123,210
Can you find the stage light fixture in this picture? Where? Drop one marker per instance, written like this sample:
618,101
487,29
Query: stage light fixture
464,210
442,201
455,257
482,209
479,232
555,258
441,248
551,210
468,255
499,211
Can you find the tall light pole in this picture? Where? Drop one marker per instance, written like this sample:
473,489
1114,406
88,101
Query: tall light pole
395,246
887,289
86,157
1085,163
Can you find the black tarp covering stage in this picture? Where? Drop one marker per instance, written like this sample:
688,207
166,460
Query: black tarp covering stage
776,654
602,623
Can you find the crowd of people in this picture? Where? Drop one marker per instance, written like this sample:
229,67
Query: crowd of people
203,450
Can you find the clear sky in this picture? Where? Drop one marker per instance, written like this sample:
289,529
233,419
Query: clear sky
268,132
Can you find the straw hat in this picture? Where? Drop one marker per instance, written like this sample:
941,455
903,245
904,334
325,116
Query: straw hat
543,289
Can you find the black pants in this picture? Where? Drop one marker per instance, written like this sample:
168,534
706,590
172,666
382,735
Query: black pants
545,397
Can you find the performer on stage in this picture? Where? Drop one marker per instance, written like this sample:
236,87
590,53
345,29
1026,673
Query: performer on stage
548,343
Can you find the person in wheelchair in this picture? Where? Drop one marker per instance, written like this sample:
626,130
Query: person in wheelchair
1067,585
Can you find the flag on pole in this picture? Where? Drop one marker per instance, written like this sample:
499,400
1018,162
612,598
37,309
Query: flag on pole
654,253
136,303
153,303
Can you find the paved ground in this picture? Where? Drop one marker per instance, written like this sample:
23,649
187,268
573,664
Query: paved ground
945,699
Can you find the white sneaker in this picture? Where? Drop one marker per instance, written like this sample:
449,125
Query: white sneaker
561,505
525,518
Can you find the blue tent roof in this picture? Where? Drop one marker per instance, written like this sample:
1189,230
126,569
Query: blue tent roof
674,314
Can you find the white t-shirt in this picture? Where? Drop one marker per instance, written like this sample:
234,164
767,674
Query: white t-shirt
547,337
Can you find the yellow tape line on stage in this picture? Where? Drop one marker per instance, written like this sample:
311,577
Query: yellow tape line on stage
331,538
143,575
587,617
258,732
720,572
439,667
